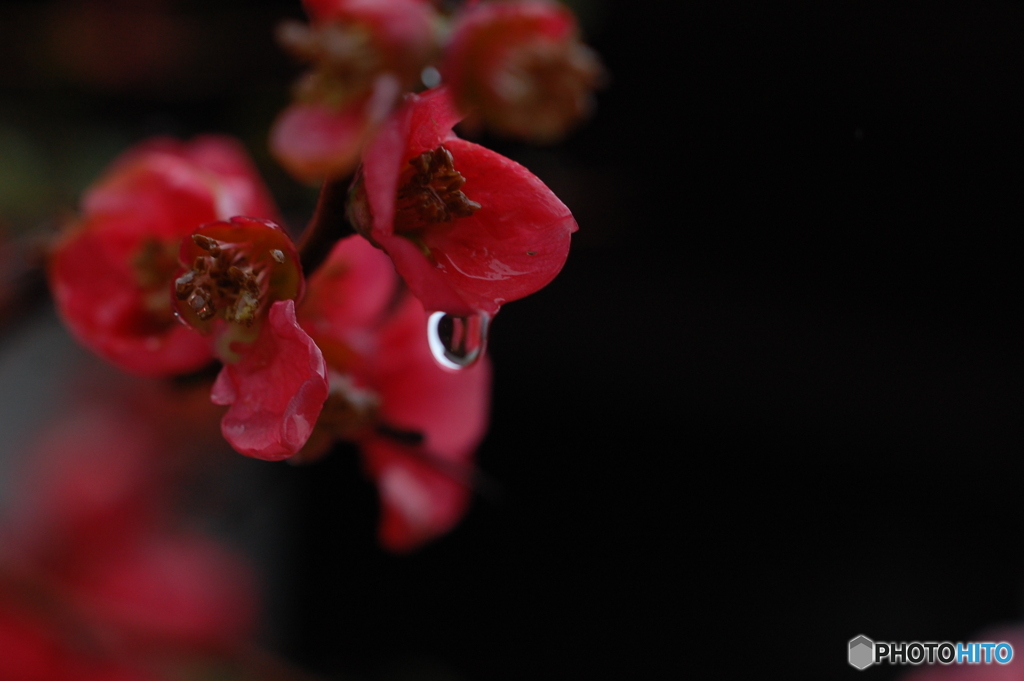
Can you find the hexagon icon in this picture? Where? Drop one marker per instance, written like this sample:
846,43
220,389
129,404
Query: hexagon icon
862,652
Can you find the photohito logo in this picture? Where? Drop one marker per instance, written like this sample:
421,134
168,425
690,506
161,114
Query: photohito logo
863,652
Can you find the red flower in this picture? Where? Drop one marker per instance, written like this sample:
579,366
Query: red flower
467,228
417,424
364,52
111,272
240,279
520,68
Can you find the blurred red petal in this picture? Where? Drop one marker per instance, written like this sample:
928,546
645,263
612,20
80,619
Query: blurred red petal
313,140
418,502
182,591
98,298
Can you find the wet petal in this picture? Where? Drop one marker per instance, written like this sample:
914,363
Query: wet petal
276,390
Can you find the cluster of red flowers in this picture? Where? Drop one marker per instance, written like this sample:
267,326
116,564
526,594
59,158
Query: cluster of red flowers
178,260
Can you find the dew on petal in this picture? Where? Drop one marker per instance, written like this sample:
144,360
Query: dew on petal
457,341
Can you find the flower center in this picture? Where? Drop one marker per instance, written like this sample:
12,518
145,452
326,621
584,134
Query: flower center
430,191
154,267
344,57
544,86
224,282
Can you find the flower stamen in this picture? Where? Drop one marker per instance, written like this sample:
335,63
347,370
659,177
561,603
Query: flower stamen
430,192
344,57
222,282
545,87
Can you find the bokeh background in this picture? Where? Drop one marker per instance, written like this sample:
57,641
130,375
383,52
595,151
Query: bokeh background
772,402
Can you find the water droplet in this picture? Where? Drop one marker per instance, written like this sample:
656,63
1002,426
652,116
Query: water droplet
431,77
457,341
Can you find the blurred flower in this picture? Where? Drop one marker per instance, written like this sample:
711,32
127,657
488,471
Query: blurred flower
93,479
416,424
111,271
520,68
94,573
364,54
239,280
467,228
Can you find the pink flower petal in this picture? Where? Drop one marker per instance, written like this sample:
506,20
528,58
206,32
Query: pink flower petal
276,391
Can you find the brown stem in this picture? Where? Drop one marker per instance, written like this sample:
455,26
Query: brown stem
328,226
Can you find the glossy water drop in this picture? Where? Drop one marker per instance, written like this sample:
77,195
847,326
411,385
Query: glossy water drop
457,341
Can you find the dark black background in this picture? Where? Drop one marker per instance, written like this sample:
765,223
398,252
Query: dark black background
773,403
773,400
